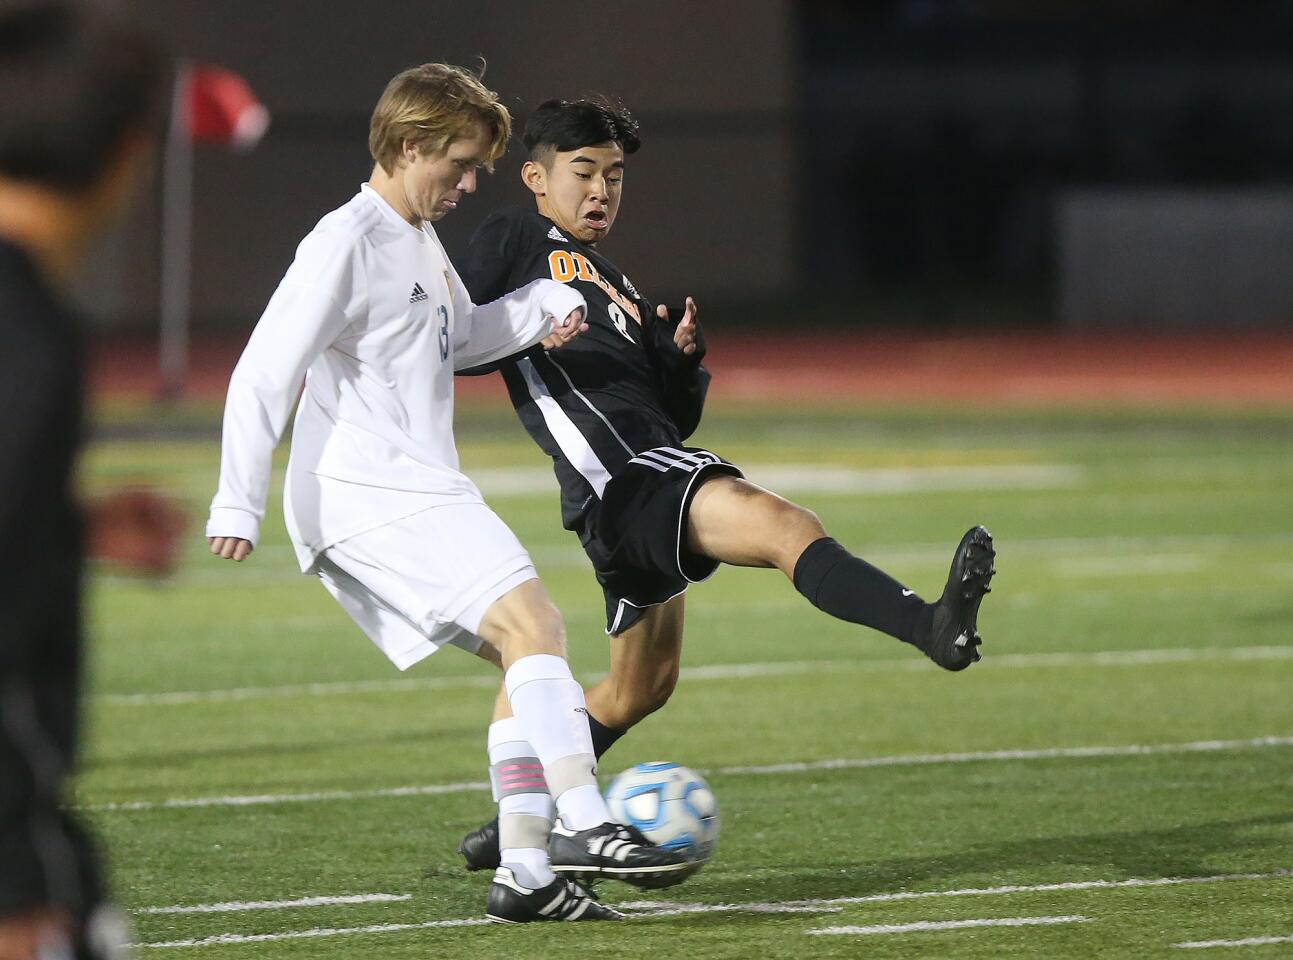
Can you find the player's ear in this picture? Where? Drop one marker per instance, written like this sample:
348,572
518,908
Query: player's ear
535,178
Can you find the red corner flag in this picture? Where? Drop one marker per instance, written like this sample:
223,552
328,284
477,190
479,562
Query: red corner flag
210,105
219,107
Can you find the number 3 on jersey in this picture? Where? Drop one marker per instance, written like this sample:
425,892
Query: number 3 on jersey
444,331
621,322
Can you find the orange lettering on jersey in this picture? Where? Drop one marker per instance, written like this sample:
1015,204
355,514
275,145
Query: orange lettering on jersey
565,266
562,265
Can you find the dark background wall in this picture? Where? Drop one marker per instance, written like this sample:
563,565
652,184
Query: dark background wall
952,135
709,200
868,162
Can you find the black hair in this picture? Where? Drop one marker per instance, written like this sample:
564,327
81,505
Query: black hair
75,81
565,125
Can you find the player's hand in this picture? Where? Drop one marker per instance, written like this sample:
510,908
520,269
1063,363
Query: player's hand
684,335
30,936
136,528
565,331
231,548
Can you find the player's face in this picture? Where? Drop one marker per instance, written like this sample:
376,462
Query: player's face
579,190
434,183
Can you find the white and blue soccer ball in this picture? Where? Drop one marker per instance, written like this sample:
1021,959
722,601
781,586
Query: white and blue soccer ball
672,806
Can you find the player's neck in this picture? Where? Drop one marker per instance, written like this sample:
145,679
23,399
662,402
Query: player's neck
548,214
390,187
46,225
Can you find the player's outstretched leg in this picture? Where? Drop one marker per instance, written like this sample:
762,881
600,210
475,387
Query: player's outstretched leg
734,521
511,901
949,634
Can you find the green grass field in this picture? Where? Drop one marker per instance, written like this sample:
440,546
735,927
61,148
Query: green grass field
1115,778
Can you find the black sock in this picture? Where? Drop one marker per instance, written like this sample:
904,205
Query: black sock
603,736
849,588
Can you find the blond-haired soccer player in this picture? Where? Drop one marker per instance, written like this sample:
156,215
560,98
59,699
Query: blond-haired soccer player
373,317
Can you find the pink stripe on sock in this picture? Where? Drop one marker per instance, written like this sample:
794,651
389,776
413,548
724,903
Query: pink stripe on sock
541,784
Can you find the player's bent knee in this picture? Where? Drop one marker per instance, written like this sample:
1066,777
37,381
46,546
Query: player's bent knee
524,622
795,527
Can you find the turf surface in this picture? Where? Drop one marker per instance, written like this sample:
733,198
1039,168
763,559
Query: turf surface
1143,600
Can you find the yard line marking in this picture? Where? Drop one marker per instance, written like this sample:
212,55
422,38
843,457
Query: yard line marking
291,690
920,759
948,925
720,671
306,934
257,800
649,910
498,482
237,906
901,760
1247,942
1142,565
660,908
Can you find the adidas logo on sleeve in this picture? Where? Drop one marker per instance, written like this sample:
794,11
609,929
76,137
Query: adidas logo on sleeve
418,294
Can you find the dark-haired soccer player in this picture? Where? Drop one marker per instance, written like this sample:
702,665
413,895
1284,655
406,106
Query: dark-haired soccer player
613,411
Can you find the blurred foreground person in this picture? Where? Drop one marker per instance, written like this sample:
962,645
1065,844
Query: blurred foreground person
78,96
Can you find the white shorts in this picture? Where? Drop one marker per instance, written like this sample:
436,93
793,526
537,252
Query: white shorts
426,580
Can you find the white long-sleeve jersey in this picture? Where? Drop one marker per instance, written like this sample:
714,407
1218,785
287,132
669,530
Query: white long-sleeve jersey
373,316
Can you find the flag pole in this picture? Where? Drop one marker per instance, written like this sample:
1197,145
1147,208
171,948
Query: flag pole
177,234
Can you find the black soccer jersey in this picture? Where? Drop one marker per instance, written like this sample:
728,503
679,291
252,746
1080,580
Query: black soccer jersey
619,389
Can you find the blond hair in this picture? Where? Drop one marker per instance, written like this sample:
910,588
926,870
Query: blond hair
429,107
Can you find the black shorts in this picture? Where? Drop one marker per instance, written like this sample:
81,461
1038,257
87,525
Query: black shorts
636,535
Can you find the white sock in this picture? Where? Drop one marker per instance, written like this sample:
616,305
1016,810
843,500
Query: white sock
525,807
549,705
531,867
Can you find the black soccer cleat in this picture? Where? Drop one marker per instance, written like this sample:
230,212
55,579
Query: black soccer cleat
952,638
510,901
480,847
615,851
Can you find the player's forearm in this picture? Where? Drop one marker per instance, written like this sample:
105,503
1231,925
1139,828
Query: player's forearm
259,402
514,323
246,455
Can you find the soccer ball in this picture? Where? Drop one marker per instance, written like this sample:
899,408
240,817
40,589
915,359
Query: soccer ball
672,806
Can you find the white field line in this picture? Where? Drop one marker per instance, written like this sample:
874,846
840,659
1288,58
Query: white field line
239,906
658,908
309,934
1054,554
649,910
724,671
1143,565
818,478
260,800
1246,942
908,760
948,925
337,688
1052,753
